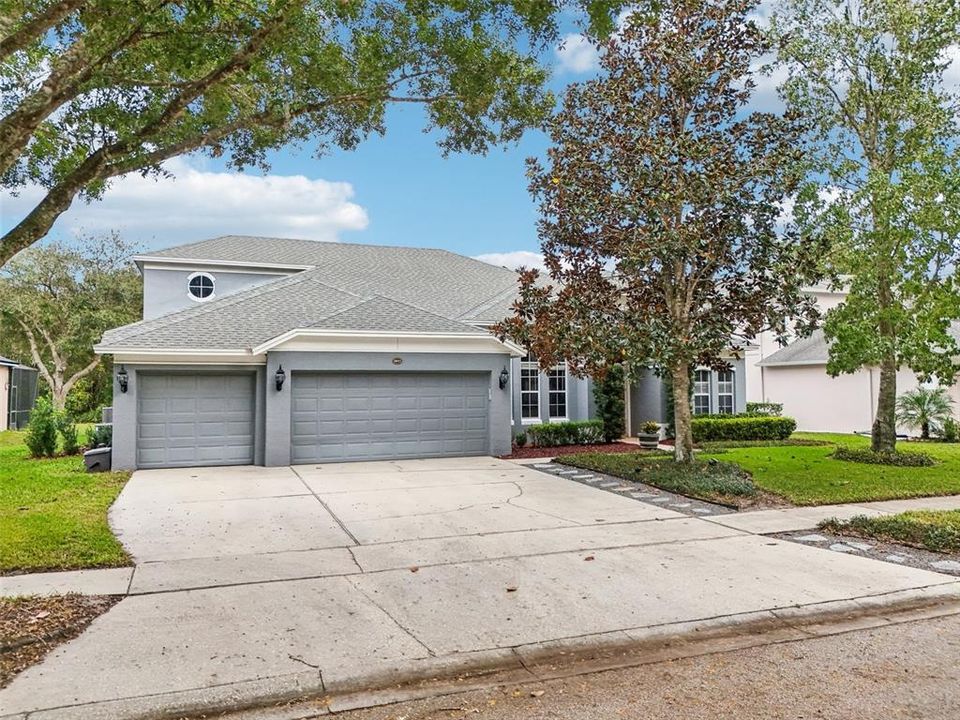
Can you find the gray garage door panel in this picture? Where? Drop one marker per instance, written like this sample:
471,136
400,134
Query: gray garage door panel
186,420
376,416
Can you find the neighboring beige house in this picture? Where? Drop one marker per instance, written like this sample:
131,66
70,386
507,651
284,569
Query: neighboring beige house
4,396
796,376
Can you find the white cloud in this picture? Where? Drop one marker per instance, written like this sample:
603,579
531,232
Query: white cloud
197,203
576,54
513,260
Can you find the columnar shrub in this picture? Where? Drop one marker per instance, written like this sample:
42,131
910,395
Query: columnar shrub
608,394
41,436
68,432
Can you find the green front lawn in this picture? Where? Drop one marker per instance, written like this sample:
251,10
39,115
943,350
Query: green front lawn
807,475
938,531
53,515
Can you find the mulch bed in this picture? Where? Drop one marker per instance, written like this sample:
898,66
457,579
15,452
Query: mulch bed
520,453
30,627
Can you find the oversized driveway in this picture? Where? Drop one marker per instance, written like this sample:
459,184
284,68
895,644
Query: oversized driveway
259,583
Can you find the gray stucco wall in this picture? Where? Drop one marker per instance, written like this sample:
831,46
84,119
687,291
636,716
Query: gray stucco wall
277,421
165,291
124,453
648,395
580,404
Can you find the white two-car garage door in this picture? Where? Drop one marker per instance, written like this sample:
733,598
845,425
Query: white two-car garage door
377,416
198,419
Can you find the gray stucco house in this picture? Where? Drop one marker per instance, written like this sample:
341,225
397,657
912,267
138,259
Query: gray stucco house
277,351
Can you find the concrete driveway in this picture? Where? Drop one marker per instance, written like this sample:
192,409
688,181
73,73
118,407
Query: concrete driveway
258,583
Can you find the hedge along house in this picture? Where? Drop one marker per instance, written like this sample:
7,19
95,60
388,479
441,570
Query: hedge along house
18,393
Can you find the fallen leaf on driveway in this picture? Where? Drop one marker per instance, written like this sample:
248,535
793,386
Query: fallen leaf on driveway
588,558
511,588
414,569
537,693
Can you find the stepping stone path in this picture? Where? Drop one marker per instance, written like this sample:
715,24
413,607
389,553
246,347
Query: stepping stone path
862,546
895,558
840,547
583,477
812,538
659,500
637,495
680,505
567,472
609,484
946,565
703,511
545,467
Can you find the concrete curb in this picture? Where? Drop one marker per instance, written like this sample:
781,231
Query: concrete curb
311,693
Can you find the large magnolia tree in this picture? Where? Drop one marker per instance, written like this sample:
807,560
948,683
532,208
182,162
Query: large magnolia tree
56,301
870,76
661,205
93,89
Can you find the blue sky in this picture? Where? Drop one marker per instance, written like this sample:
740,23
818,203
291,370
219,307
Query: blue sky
395,190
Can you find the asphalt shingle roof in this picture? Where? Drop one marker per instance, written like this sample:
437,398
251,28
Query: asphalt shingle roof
812,350
348,287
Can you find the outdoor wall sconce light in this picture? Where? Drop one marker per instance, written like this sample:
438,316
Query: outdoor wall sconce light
123,380
504,377
279,378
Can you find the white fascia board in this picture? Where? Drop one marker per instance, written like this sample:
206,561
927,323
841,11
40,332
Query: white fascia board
119,349
515,350
791,363
153,259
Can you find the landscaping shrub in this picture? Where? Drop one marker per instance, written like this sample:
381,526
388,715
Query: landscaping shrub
520,439
68,433
713,481
608,394
102,436
764,408
897,458
707,428
41,438
938,531
950,432
579,432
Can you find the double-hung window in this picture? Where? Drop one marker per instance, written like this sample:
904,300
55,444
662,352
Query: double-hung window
701,392
557,386
725,392
529,389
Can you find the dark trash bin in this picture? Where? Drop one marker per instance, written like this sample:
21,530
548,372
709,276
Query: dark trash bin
97,460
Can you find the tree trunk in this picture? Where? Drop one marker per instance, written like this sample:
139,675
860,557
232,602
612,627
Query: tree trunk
58,396
925,430
682,412
884,434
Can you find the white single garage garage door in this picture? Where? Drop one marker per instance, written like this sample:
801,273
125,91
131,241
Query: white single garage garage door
203,419
381,416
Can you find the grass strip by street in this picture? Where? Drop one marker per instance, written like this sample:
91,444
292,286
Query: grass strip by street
717,482
53,514
937,531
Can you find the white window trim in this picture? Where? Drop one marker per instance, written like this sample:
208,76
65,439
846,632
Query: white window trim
566,393
202,273
531,420
708,394
732,394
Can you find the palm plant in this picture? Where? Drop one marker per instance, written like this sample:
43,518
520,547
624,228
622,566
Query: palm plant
925,408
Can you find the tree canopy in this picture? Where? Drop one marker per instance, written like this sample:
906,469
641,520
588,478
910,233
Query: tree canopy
661,205
56,301
886,168
93,89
